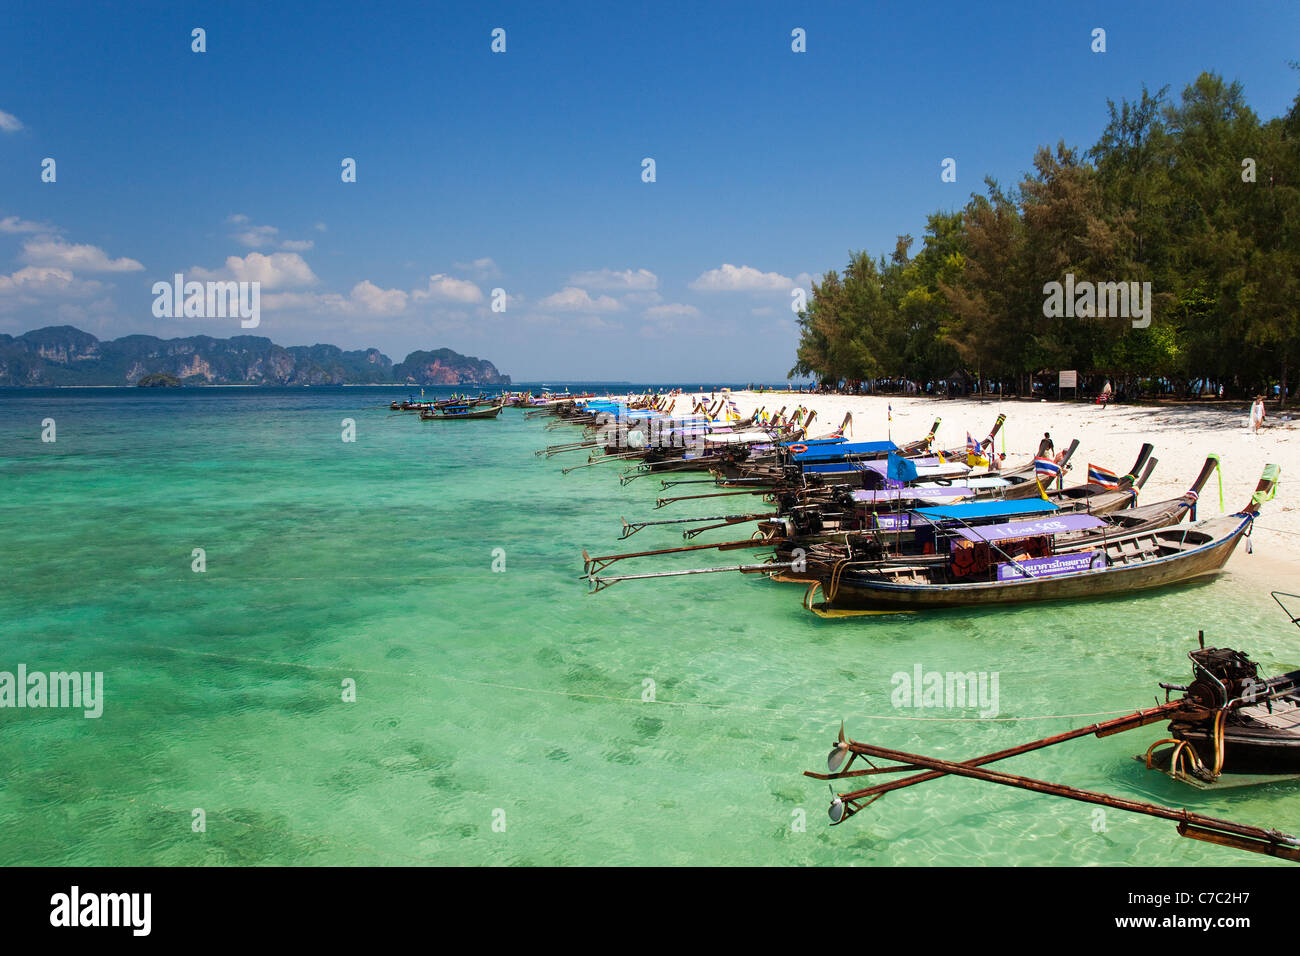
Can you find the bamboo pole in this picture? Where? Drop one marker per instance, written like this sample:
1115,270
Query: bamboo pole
1194,825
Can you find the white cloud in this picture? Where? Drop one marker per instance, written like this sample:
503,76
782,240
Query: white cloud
671,310
373,300
365,299
568,323
47,251
278,270
444,287
731,278
638,281
10,123
321,227
257,236
47,281
12,224
571,299
483,268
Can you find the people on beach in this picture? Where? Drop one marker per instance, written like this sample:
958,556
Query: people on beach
1046,446
1257,414
1105,394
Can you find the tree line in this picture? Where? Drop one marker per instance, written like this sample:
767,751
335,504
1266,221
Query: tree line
1195,195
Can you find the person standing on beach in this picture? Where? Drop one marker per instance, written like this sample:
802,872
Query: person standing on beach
1105,394
1046,447
1257,414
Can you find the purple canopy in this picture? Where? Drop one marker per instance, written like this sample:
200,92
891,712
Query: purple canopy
1057,524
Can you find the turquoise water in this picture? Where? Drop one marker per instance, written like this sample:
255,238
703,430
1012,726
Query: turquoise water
499,716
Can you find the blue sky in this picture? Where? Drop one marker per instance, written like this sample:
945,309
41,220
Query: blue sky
523,170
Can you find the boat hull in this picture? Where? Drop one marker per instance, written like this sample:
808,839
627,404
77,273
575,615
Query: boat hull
1247,751
867,592
441,415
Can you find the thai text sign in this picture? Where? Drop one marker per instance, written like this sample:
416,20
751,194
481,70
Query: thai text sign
1052,565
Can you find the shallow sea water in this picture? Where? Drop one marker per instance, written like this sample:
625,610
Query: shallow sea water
499,716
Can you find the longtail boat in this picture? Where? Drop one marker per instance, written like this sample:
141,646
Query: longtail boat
1232,727
1237,725
460,412
1022,561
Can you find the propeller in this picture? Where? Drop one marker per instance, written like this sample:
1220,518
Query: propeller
836,758
837,808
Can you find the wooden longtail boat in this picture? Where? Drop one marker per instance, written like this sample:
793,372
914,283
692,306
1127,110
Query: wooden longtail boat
450,413
1231,727
809,537
1019,562
1159,514
886,520
789,459
1236,723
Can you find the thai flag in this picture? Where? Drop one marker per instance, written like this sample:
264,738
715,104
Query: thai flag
971,447
1100,476
1046,468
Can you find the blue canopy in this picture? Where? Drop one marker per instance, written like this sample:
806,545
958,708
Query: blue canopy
977,510
825,453
837,468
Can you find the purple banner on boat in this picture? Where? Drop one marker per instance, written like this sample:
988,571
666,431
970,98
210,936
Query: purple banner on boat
893,522
1055,564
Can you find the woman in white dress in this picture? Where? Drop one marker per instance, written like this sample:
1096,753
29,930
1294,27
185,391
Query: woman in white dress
1257,414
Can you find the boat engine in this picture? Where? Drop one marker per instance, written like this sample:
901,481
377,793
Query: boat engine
1221,675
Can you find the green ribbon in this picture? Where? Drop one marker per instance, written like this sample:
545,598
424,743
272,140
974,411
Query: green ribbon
1271,472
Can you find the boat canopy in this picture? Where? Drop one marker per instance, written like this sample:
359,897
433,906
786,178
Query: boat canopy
974,510
976,484
824,453
925,468
1057,524
810,442
938,493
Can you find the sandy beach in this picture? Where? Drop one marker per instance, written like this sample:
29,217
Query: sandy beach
1110,437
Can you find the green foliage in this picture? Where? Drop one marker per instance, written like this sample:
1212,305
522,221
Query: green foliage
1165,196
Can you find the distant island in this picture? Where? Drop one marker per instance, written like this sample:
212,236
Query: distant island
63,355
158,380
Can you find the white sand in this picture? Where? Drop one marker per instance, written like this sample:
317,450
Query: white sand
1182,435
